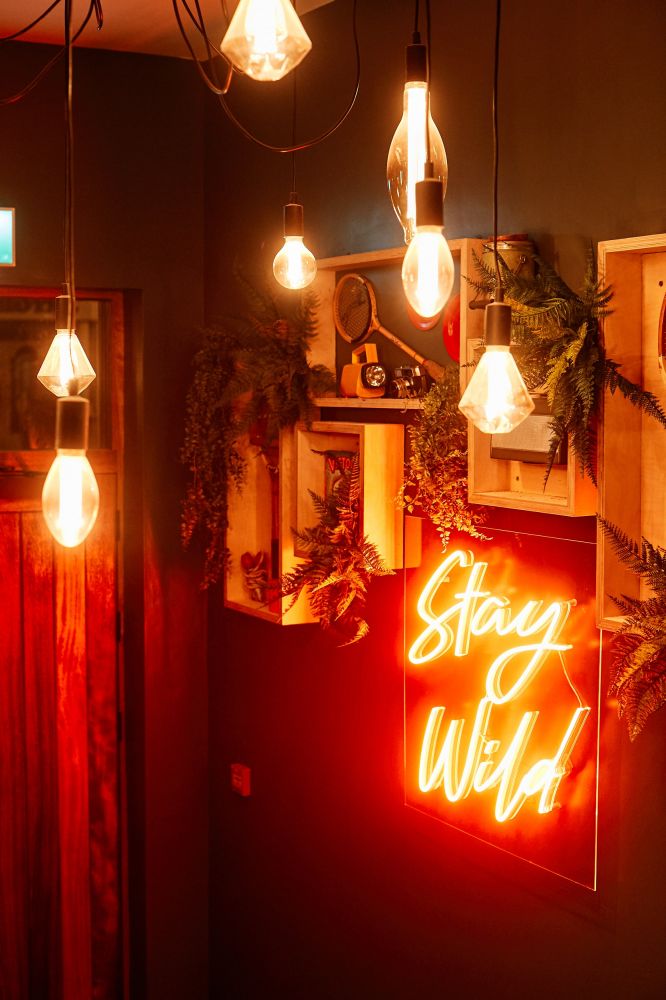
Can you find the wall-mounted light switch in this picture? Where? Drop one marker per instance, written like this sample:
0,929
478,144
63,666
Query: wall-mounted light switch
240,779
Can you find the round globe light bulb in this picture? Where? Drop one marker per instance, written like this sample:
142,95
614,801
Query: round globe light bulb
294,266
496,399
70,498
428,272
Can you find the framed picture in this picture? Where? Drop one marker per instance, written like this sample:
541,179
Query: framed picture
7,238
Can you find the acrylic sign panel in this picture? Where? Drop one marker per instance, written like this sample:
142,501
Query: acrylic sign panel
502,675
7,257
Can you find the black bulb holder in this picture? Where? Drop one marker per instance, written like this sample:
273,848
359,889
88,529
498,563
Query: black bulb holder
416,61
497,324
293,216
429,195
72,417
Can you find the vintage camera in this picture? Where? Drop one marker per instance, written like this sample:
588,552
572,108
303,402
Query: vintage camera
408,383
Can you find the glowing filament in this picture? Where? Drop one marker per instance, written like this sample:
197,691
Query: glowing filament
415,95
70,498
294,265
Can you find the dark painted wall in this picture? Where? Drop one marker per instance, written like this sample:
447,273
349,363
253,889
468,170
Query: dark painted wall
139,207
322,883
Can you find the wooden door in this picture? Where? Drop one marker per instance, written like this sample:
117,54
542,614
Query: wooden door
60,712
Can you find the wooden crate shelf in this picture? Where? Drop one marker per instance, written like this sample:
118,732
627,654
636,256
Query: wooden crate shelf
250,530
380,448
632,484
383,267
498,482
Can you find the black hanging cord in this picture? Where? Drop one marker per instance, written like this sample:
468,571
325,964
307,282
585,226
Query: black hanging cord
293,133
70,275
212,85
220,90
416,17
308,144
499,290
95,7
427,115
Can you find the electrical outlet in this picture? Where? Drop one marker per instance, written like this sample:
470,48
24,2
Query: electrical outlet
240,779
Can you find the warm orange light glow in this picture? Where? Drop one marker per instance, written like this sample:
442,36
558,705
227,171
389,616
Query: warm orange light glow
488,763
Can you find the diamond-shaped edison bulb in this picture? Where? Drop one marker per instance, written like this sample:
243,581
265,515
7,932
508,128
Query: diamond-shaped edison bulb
66,370
265,39
496,399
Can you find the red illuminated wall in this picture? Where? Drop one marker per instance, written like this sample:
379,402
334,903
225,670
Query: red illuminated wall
322,883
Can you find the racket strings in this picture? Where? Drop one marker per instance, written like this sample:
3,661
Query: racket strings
353,308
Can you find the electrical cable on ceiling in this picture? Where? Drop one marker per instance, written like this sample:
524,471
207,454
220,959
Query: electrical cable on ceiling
94,8
221,90
212,85
29,27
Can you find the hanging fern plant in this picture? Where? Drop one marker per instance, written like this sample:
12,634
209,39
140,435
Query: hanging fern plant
339,562
559,349
252,374
436,472
639,647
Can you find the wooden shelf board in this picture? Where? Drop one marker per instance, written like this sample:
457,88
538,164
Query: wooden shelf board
356,403
521,501
253,609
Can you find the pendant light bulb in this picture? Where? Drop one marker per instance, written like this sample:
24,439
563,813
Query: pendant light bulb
70,497
496,399
294,266
407,155
66,369
265,39
428,271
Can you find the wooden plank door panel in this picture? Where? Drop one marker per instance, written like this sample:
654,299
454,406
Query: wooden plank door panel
13,853
103,724
60,885
41,758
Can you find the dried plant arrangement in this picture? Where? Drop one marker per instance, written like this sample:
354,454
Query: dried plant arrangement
436,471
251,376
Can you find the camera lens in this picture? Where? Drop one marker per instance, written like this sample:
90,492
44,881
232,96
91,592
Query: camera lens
373,376
399,388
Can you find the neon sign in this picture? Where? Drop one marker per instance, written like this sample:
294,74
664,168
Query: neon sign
500,734
477,613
